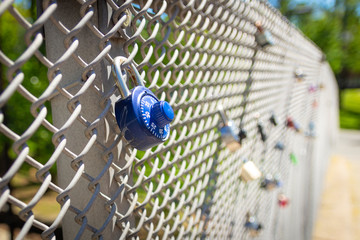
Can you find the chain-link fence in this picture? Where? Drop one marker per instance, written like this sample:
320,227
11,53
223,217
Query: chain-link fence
67,171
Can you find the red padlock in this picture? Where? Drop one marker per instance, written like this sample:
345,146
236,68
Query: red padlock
289,122
283,200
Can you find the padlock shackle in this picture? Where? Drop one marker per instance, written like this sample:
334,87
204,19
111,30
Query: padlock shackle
138,78
259,26
121,76
223,115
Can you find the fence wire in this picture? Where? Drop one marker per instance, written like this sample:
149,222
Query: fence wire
197,55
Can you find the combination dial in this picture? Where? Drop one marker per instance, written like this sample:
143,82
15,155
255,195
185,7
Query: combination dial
156,116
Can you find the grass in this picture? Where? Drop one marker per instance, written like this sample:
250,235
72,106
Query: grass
350,109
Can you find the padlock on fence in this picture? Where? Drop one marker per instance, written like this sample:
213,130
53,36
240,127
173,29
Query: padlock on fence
315,104
229,132
279,146
261,130
293,158
252,225
299,74
313,88
249,171
242,134
269,182
273,119
141,117
263,37
283,200
291,123
311,130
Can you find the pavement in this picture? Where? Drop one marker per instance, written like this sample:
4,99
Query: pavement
339,212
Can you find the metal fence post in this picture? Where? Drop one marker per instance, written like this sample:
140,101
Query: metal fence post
89,137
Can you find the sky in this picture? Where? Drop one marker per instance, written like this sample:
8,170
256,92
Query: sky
320,3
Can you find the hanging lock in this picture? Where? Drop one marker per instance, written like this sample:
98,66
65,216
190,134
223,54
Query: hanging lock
290,123
311,130
299,74
269,182
315,103
293,158
273,119
262,36
313,88
283,200
261,130
242,134
249,171
252,225
141,117
279,146
229,132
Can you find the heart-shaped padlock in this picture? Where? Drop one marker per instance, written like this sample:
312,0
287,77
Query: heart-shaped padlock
141,117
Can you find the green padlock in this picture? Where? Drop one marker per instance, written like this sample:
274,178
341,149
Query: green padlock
293,159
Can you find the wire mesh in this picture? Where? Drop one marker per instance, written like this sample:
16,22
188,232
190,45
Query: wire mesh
195,54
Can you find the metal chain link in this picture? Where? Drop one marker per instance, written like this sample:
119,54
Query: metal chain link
196,55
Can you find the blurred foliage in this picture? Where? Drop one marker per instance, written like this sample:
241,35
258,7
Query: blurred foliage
17,116
334,27
350,109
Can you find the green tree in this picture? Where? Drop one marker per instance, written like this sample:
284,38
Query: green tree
17,116
335,29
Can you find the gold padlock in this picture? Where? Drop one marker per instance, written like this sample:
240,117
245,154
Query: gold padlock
249,171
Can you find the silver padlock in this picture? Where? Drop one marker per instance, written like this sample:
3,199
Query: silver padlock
262,36
299,74
311,130
229,132
249,171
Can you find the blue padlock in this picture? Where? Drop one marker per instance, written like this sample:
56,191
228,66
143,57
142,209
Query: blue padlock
269,182
311,130
252,225
280,146
141,117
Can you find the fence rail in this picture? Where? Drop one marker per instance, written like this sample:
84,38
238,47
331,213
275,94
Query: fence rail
67,171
